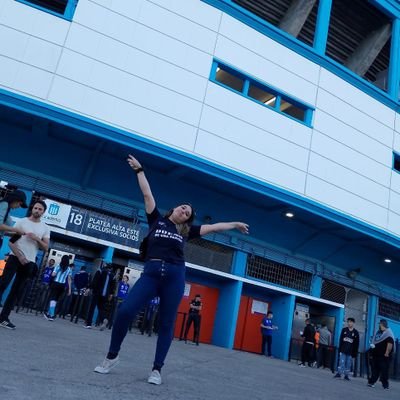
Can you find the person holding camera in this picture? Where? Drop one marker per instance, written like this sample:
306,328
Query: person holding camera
22,260
163,275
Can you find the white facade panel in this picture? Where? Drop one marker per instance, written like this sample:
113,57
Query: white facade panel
344,201
346,179
355,139
172,50
265,70
394,223
33,22
395,182
351,159
42,54
255,114
13,43
269,49
239,158
397,122
67,94
180,28
394,202
354,117
8,71
356,98
252,138
193,10
153,125
33,81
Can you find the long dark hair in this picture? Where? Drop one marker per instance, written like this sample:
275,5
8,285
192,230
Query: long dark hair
64,263
183,229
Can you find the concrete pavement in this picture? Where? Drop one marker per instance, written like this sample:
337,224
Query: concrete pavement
43,360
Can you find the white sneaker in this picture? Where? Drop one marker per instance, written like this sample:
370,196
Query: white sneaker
104,325
107,365
154,378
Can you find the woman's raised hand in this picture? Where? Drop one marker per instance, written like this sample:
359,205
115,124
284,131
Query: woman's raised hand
242,227
133,162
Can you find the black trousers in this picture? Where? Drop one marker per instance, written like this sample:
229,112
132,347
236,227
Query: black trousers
307,353
195,318
324,356
266,340
380,368
21,275
8,273
100,302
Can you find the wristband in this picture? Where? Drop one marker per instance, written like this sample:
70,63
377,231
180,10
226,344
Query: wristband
138,170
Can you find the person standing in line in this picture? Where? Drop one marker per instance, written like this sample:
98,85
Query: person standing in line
267,329
149,316
348,349
382,350
102,287
122,294
194,316
307,350
62,281
163,275
325,341
23,257
10,201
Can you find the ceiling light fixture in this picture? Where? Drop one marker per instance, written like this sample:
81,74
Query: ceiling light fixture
289,214
387,260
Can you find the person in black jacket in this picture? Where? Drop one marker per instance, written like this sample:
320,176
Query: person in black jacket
307,349
348,349
102,287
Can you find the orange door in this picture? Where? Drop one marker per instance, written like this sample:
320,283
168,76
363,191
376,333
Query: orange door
248,333
209,298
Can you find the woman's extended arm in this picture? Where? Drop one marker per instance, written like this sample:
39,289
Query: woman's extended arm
224,226
149,202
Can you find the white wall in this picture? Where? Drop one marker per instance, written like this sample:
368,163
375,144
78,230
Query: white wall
144,66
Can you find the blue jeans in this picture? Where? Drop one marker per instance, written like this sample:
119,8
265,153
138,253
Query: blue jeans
161,279
345,361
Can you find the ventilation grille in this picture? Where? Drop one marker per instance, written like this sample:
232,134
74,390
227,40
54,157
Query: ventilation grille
279,274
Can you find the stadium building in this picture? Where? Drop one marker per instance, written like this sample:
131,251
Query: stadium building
280,113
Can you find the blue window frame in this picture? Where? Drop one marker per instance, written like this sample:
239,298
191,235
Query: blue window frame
261,93
61,8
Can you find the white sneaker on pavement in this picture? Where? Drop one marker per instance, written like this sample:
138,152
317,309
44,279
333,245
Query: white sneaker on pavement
155,378
107,365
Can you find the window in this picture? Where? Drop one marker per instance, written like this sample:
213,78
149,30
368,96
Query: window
61,8
396,162
261,93
227,78
360,39
295,18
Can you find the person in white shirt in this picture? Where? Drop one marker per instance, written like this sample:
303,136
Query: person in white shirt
24,250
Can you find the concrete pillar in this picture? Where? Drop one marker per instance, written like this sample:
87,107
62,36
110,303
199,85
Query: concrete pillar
366,53
227,314
239,263
283,309
371,327
296,16
316,286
